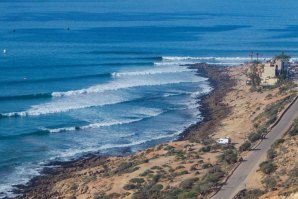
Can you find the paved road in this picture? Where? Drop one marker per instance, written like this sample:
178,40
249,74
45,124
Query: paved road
238,180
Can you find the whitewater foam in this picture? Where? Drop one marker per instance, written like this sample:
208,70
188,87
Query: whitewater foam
124,84
149,113
188,58
70,103
154,71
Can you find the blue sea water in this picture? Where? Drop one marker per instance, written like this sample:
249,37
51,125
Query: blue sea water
108,77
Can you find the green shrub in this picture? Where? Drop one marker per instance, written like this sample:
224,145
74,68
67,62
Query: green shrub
180,167
147,172
278,142
187,195
156,168
292,178
188,184
137,180
156,188
203,187
214,177
182,173
73,187
245,146
194,167
180,155
269,182
271,119
141,161
155,179
113,195
228,146
124,166
168,148
159,147
206,165
229,156
267,167
271,154
250,194
214,169
149,191
205,149
254,137
294,172
293,131
130,186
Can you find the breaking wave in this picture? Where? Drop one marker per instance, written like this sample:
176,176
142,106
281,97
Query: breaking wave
154,71
153,113
124,84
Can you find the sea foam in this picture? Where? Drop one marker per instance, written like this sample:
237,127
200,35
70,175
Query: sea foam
146,114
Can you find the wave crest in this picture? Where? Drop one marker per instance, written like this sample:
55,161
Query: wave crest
148,113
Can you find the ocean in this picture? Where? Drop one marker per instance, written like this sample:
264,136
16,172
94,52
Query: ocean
109,76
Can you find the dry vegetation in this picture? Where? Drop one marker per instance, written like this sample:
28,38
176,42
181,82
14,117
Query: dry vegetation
278,175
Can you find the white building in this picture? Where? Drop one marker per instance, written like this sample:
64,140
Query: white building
225,140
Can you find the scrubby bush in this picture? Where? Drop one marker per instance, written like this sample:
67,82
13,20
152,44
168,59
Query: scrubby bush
188,184
229,156
269,96
292,178
137,180
180,155
205,149
73,187
147,172
194,167
168,147
149,191
130,186
294,129
271,154
156,188
278,142
214,177
294,172
141,161
203,187
124,166
271,119
214,169
262,129
269,182
182,173
245,146
267,167
156,168
206,165
254,137
180,167
249,194
159,147
187,195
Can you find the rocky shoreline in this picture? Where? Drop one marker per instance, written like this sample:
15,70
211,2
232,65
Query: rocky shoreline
212,109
